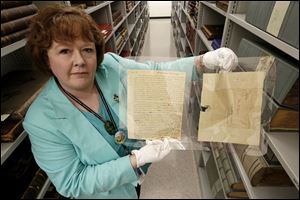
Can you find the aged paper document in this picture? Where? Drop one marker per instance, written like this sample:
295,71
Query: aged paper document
233,102
155,104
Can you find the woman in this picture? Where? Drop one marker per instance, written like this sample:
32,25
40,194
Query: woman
73,122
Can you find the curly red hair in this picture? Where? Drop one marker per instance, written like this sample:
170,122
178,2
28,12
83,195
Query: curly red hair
61,23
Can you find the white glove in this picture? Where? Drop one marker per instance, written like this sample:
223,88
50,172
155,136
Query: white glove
222,58
155,150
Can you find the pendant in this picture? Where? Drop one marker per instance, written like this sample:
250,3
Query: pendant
120,137
109,127
116,98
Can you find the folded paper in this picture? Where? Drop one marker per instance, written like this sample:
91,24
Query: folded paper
233,103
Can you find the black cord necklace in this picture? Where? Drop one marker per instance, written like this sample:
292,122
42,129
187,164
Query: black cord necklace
109,125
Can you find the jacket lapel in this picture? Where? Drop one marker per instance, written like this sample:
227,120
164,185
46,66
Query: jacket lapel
74,125
111,85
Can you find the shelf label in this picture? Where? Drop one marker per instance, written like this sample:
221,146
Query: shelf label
277,17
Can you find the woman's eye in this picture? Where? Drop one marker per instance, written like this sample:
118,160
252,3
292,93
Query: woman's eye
64,51
89,50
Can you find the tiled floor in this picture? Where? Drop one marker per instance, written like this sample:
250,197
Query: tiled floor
159,41
176,175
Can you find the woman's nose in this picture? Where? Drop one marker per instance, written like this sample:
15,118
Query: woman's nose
78,59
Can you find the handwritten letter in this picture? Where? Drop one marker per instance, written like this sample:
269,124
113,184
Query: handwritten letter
155,104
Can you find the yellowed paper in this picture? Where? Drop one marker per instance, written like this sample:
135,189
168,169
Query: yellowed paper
277,17
265,63
155,104
234,103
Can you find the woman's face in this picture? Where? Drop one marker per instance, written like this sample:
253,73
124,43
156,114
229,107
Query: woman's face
74,64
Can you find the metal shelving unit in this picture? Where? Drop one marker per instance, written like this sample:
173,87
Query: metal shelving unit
12,47
205,40
261,192
8,148
219,173
240,20
286,148
230,18
101,13
284,145
90,10
95,8
44,189
214,7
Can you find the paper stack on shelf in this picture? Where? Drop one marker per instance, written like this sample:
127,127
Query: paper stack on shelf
282,86
216,43
79,4
262,170
212,31
85,4
278,18
11,129
19,170
15,18
222,5
192,9
214,179
125,53
279,118
18,91
129,5
120,36
106,29
190,33
35,185
188,51
117,17
233,185
52,193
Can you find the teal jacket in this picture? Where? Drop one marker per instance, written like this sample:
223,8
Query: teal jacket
77,159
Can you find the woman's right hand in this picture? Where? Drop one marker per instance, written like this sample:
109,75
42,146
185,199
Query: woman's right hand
155,150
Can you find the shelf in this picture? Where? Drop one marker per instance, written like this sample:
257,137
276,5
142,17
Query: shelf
138,31
108,37
13,47
8,148
285,146
189,44
205,40
214,7
218,169
102,10
262,192
92,9
181,53
130,29
189,17
119,24
240,20
182,41
124,43
142,38
183,26
204,183
129,13
44,189
131,26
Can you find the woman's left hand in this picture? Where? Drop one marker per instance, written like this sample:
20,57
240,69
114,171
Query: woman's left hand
222,59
